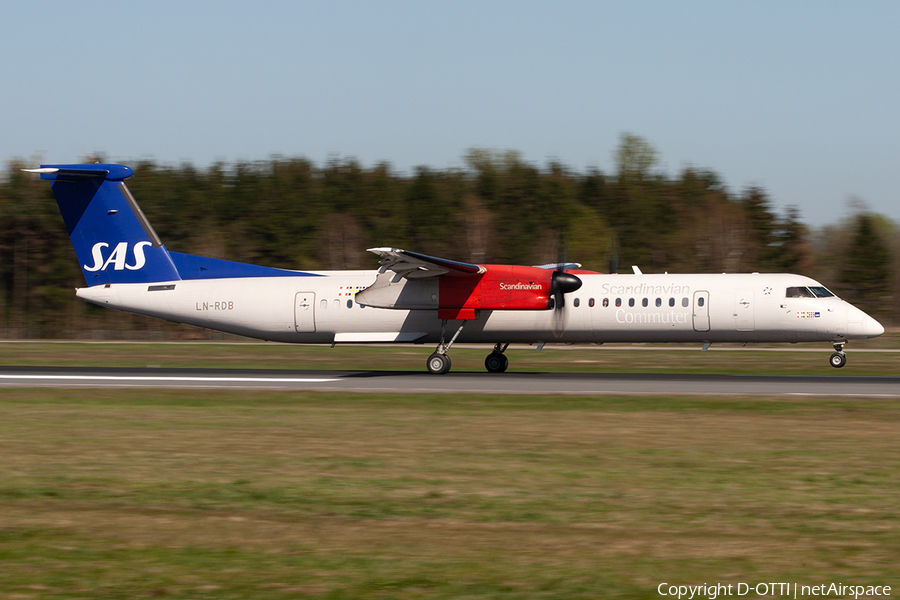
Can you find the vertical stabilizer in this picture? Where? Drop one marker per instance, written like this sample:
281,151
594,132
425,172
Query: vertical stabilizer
113,240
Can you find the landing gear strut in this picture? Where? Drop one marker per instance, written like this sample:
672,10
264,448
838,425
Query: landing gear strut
838,359
439,363
496,361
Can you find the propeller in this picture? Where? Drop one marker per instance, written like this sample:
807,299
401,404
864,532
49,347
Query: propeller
562,283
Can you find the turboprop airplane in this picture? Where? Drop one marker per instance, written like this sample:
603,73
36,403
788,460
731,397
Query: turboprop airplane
419,299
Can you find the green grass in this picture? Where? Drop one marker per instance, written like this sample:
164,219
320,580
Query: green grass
617,359
213,494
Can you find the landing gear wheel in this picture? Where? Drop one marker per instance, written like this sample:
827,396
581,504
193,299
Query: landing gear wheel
496,362
838,360
438,363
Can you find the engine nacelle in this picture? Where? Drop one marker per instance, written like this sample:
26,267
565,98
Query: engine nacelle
499,287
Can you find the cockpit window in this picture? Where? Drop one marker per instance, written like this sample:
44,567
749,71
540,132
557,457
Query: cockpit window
798,292
821,292
808,292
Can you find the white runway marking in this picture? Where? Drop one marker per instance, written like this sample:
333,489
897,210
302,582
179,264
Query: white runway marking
588,384
159,379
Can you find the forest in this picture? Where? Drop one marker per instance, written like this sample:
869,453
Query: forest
291,213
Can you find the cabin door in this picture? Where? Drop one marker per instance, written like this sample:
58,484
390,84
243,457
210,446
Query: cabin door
701,311
305,312
743,310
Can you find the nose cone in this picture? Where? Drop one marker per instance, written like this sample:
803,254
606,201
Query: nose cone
872,327
860,325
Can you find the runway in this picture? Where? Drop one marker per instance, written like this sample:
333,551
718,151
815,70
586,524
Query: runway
401,382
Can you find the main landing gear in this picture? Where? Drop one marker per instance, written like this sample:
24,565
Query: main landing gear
838,359
496,361
439,363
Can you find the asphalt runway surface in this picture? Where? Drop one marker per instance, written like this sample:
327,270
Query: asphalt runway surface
409,382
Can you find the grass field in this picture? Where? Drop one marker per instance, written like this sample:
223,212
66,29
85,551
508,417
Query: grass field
129,494
125,494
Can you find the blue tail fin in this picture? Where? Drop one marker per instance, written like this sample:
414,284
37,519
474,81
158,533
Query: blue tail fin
113,239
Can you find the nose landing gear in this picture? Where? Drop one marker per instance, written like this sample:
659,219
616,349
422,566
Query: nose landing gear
838,359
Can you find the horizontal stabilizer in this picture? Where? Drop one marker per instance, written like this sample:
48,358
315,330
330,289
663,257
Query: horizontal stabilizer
71,172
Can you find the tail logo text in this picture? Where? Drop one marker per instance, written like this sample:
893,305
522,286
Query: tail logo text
117,257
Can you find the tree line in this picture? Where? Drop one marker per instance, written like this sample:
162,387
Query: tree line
291,213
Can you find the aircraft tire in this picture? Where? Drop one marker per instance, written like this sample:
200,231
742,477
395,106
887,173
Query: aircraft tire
838,360
438,363
496,362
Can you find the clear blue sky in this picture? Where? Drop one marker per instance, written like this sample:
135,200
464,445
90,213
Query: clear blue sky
801,98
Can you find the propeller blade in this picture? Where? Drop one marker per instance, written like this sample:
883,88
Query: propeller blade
561,284
561,251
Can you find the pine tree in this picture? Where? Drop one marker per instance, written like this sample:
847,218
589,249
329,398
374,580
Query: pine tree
865,275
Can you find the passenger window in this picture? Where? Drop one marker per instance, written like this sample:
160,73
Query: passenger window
605,302
349,303
631,302
798,292
323,303
658,302
577,302
618,302
671,301
644,303
685,302
700,301
337,303
591,303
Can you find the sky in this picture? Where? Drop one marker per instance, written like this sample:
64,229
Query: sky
799,98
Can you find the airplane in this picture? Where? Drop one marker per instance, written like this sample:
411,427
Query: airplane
419,299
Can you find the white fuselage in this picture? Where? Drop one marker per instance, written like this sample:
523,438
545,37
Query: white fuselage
607,308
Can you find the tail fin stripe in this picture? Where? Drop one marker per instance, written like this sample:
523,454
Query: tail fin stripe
142,219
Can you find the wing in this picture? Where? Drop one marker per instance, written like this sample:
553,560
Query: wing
413,265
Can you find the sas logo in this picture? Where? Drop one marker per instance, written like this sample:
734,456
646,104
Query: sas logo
117,258
807,314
